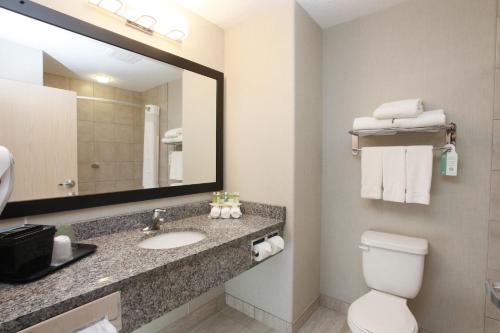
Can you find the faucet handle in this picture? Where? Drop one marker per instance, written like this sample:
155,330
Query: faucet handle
157,211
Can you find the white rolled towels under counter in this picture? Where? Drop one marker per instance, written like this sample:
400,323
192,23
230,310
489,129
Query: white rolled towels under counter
262,251
277,244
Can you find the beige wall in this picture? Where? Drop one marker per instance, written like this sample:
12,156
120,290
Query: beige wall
259,150
307,200
205,44
199,130
442,51
493,264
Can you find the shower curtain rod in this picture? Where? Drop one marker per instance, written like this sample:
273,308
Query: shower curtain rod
108,100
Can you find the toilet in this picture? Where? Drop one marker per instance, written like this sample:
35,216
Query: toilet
393,268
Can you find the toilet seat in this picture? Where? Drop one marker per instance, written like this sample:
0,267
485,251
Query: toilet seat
377,312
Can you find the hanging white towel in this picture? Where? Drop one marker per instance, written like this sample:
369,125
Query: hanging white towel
151,146
418,174
408,108
368,123
394,173
371,173
176,165
427,118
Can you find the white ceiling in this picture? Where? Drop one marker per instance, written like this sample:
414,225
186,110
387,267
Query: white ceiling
70,54
227,13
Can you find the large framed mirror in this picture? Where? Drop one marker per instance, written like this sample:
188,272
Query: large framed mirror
94,118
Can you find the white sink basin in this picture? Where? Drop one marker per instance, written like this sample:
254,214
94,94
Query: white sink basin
172,240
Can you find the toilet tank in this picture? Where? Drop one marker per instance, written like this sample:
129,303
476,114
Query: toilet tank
393,263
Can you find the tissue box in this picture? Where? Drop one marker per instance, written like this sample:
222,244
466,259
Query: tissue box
25,249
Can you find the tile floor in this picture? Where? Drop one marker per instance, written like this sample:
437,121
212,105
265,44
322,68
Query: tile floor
229,320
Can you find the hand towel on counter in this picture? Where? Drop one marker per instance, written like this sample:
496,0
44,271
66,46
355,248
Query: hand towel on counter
368,123
394,173
427,118
371,173
418,174
409,108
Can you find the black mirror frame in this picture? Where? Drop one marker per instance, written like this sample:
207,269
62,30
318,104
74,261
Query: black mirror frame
51,205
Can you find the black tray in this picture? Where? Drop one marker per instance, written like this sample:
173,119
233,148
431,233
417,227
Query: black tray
79,251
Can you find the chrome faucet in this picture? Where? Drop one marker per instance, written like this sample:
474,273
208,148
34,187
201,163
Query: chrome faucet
155,221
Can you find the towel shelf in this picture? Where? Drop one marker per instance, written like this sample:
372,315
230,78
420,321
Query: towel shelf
450,130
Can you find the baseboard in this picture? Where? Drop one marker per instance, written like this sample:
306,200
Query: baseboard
334,304
305,316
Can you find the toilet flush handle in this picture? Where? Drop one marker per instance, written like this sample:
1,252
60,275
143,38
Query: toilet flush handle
364,247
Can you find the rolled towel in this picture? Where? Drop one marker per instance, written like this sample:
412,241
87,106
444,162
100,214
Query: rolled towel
277,244
427,118
172,139
175,132
215,212
262,251
368,123
61,251
408,108
236,212
225,212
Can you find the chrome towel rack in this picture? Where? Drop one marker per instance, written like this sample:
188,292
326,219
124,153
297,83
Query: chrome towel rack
450,130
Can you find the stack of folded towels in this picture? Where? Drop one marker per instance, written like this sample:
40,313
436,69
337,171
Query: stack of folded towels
401,114
173,136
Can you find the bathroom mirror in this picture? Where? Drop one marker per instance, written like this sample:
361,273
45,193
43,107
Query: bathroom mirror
94,118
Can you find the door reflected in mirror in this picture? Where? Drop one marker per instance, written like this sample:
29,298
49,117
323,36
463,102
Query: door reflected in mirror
84,117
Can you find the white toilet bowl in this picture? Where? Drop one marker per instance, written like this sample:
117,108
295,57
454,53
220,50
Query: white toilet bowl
393,268
377,312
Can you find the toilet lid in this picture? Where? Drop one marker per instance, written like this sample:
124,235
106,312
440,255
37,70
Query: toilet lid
377,312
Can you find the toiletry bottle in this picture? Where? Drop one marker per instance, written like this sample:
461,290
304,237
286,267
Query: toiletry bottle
226,197
236,197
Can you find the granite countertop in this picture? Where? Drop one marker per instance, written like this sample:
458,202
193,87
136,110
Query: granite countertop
118,258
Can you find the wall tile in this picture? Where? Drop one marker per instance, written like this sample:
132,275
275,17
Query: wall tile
104,132
86,188
102,91
82,88
124,152
85,173
103,112
495,158
138,134
496,113
85,110
138,152
107,171
55,81
125,171
498,43
495,196
124,133
105,151
124,115
125,185
492,326
123,95
138,170
494,245
86,152
85,131
105,187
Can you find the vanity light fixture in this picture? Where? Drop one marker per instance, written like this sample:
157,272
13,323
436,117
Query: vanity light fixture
174,27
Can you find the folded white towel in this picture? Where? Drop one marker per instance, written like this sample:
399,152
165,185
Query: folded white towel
428,118
367,123
173,132
408,108
394,173
418,174
215,212
371,173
